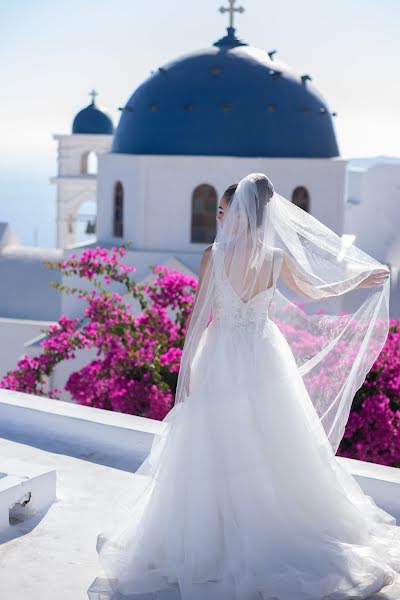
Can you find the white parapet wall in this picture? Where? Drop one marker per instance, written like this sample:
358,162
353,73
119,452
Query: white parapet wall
54,423
378,481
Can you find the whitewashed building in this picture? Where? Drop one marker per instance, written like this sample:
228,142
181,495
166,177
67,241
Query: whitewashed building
194,126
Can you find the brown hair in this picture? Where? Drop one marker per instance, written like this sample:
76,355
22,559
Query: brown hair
228,193
265,191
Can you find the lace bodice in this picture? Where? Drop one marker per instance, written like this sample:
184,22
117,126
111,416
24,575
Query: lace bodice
229,306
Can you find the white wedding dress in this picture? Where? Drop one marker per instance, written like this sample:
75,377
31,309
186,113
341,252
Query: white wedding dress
242,497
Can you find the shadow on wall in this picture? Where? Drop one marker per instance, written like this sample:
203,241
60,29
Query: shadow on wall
20,527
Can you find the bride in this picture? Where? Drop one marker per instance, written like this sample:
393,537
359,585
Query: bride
241,496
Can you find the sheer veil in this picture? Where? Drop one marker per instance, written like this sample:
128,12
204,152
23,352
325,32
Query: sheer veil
262,235
334,321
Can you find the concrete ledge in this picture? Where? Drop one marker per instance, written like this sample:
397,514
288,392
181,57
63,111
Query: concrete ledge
30,419
378,481
103,436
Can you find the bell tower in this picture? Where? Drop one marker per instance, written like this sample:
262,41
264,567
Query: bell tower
76,179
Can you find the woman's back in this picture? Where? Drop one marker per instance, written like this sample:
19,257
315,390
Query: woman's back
229,304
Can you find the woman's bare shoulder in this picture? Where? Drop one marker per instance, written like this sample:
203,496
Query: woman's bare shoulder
206,253
205,258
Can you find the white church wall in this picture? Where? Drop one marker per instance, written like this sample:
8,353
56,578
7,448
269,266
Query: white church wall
158,192
355,190
130,171
375,220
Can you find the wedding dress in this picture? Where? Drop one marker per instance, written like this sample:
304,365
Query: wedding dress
241,496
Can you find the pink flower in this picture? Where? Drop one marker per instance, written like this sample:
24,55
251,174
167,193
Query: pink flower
138,355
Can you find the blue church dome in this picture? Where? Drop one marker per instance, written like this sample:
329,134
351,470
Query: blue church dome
92,119
231,99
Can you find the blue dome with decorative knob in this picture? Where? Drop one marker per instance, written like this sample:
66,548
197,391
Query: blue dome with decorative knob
231,99
92,119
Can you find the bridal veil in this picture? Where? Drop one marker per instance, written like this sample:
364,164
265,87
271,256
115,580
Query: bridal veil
334,325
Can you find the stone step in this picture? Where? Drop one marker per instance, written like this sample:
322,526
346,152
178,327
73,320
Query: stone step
25,489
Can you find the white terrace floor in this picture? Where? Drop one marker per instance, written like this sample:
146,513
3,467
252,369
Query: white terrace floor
52,553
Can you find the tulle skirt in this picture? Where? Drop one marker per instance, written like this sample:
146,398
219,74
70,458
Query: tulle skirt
241,496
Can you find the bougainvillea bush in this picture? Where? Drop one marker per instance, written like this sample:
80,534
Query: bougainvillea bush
373,429
138,356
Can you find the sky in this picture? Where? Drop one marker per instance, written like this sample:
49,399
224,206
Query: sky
54,52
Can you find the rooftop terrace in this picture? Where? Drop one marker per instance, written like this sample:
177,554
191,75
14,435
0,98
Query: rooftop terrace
84,456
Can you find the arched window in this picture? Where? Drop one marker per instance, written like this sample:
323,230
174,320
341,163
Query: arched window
204,210
89,163
118,210
301,198
86,225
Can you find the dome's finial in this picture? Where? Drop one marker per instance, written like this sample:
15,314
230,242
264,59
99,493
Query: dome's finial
231,10
93,93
